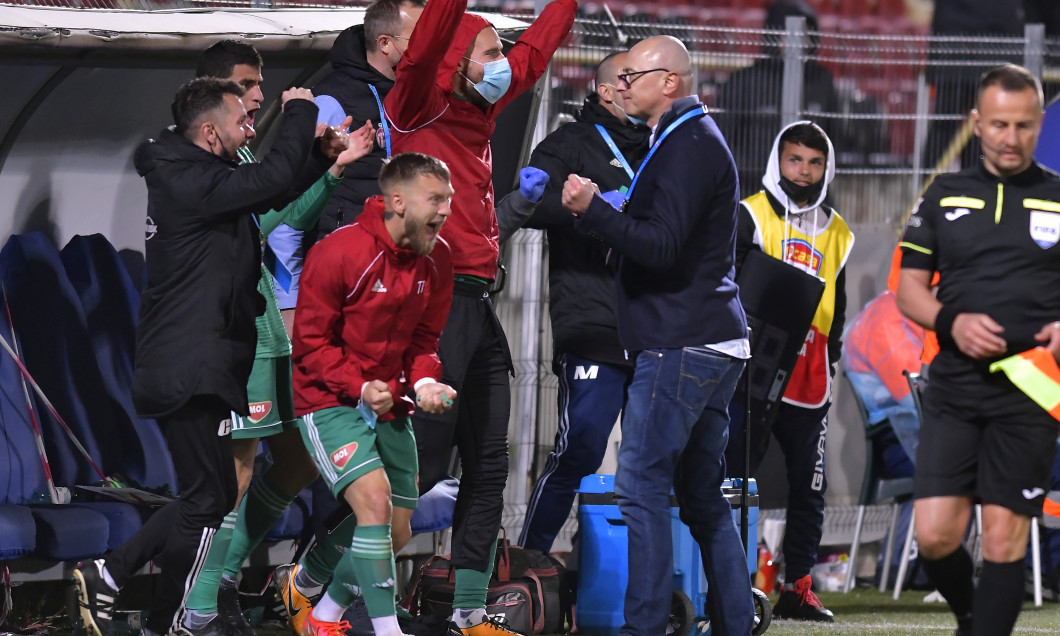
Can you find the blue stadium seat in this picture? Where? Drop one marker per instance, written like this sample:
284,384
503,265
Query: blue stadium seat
111,306
18,532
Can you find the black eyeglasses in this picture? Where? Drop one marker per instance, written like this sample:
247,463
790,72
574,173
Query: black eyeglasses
629,78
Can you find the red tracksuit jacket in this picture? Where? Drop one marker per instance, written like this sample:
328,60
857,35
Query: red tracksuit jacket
368,310
426,117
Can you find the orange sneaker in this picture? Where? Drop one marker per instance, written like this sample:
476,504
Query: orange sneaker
492,626
313,627
296,604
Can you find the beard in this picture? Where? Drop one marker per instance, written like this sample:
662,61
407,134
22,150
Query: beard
421,239
468,92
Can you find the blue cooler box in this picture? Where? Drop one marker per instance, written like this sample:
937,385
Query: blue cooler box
603,567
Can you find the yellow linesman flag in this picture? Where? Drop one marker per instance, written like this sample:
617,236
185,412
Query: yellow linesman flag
1036,373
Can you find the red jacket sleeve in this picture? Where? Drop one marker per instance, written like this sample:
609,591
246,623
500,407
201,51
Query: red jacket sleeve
321,297
421,359
533,50
416,98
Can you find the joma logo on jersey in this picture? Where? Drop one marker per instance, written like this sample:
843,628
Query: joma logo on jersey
259,410
802,254
343,455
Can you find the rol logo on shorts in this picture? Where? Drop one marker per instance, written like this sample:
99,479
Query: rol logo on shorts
259,411
1045,228
343,455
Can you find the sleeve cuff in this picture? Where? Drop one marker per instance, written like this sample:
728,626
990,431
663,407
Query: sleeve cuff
423,381
944,325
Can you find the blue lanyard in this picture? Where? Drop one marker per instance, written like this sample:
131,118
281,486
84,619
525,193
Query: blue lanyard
695,112
382,119
614,150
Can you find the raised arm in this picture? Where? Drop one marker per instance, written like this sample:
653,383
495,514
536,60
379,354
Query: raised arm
534,49
416,97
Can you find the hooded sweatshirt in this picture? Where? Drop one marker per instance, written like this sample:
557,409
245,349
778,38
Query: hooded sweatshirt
815,239
426,116
348,84
368,310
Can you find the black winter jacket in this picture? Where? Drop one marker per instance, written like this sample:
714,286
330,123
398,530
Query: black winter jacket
581,284
196,333
348,83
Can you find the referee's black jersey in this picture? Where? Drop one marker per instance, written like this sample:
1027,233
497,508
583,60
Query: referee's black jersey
994,242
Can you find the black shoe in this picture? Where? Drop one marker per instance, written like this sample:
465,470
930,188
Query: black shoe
95,598
802,604
216,627
964,626
360,622
230,612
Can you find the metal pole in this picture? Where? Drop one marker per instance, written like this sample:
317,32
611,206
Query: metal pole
1034,49
920,129
794,47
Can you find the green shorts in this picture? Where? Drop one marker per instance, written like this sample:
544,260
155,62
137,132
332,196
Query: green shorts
344,448
271,400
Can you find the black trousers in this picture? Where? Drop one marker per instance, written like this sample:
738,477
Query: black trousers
476,362
801,433
200,441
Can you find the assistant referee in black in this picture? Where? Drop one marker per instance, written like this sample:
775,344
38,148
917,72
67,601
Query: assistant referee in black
991,231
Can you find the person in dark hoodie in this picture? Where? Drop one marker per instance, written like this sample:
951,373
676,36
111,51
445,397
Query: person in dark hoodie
605,145
196,340
789,221
680,318
363,59
452,83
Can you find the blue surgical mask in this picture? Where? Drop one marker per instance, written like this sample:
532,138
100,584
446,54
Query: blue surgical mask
496,79
636,121
633,120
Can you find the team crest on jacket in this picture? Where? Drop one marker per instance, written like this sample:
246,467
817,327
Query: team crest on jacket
801,254
1045,228
259,411
343,455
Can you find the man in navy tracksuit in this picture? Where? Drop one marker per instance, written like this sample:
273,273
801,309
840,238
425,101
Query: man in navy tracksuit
680,316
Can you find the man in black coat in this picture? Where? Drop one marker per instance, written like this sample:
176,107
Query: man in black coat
605,146
196,339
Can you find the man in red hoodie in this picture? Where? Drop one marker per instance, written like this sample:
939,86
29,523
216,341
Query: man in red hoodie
452,83
374,298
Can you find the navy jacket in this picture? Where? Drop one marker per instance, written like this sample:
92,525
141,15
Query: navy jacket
676,241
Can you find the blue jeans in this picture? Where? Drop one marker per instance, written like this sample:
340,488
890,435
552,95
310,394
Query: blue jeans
674,432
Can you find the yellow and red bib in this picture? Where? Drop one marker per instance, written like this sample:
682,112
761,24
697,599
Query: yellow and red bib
823,256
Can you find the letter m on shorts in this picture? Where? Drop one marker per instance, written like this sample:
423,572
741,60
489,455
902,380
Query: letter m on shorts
581,373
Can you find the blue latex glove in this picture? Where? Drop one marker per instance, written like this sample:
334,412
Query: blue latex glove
532,182
614,197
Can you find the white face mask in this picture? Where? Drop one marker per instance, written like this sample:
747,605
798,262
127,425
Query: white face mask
633,120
